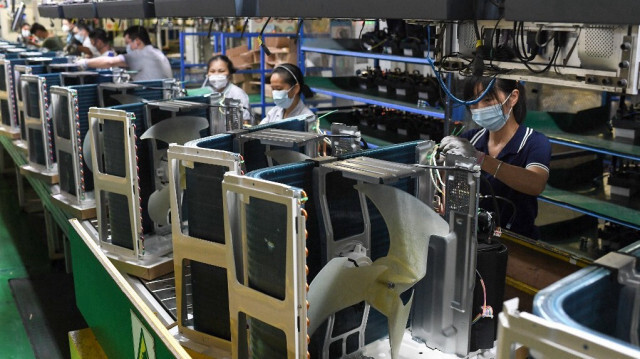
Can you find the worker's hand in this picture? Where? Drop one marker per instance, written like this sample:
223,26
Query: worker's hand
82,64
460,146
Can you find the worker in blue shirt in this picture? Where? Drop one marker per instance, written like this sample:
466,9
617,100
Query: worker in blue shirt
514,159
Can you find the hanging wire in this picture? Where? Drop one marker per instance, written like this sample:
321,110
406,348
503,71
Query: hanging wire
260,39
444,86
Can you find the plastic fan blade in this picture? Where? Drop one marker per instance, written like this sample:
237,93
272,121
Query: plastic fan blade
337,286
177,129
286,156
125,99
86,151
411,223
159,206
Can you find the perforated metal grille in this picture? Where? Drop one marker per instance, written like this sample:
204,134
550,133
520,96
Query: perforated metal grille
599,41
266,341
119,220
3,78
204,202
33,100
4,112
466,37
23,127
114,157
61,117
458,193
267,247
65,169
210,295
36,147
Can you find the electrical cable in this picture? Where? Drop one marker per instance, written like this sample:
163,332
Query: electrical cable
493,196
260,39
511,203
487,310
537,37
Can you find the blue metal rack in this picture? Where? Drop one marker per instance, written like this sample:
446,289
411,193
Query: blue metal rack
332,47
220,45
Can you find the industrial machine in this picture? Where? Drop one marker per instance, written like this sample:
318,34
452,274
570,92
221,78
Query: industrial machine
133,223
354,238
69,111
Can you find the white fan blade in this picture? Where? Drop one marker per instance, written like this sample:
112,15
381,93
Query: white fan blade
411,223
337,286
159,206
86,151
178,130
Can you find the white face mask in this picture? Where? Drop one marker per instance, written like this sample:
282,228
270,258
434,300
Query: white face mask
26,33
218,82
281,98
491,117
65,28
129,49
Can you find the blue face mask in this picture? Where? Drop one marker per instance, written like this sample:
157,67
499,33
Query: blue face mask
281,98
79,37
491,117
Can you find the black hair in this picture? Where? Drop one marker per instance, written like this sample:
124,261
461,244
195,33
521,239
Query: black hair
292,75
100,34
501,85
37,27
138,32
83,26
223,58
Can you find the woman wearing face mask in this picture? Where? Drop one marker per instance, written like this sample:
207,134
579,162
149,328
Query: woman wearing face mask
287,83
68,27
219,72
514,159
25,34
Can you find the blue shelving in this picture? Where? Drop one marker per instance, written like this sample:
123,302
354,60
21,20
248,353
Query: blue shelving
599,206
337,48
599,143
326,87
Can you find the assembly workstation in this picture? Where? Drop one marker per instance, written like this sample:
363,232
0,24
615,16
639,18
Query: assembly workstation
292,179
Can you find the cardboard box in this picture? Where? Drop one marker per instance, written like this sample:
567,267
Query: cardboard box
250,88
240,78
276,42
268,91
236,51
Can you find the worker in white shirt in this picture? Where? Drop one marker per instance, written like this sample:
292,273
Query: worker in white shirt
102,42
288,84
82,36
219,72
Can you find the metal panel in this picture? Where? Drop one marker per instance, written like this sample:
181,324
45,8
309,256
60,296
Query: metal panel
195,8
581,11
410,9
53,11
188,247
278,320
442,308
37,121
80,10
125,9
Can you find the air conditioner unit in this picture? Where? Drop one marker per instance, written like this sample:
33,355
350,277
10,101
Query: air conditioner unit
38,127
